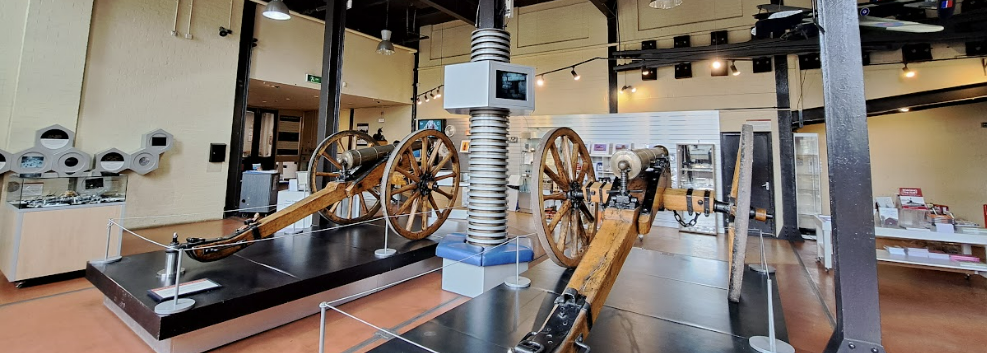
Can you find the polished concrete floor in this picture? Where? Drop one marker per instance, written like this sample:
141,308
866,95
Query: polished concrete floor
922,310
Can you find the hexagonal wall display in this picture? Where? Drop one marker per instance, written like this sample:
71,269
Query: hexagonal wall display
112,161
144,162
72,162
31,161
5,159
157,141
55,138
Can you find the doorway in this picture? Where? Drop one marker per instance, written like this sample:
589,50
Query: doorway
762,176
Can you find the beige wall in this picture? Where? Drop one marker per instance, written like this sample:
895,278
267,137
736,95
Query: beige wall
140,78
41,66
397,121
288,50
939,150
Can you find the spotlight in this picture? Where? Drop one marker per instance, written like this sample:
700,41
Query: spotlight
541,80
419,100
908,73
633,89
438,93
904,110
664,4
645,71
277,10
575,76
717,64
733,69
628,88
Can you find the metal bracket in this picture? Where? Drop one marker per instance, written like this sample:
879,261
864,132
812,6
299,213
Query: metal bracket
553,334
854,346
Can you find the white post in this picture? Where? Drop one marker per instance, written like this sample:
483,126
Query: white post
322,328
517,282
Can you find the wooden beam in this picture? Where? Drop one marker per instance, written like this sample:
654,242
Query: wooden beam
464,10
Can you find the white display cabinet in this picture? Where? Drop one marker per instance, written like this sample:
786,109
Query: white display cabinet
696,169
808,179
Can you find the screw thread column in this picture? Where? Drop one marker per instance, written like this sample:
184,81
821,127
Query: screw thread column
487,214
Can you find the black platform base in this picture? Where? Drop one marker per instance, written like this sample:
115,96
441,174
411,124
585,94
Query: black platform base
262,276
660,303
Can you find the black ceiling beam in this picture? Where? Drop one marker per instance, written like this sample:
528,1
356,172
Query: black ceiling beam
606,7
958,95
961,28
463,10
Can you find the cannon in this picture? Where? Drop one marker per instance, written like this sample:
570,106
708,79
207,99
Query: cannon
591,225
351,185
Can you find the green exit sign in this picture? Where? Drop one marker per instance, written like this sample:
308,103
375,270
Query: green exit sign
313,78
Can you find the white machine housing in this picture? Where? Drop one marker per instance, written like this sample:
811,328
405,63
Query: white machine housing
489,84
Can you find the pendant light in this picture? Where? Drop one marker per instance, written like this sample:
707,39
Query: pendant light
664,4
575,76
277,10
385,46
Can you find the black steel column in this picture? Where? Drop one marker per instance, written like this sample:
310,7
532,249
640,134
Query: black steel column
611,73
858,316
490,14
332,75
786,144
414,97
234,173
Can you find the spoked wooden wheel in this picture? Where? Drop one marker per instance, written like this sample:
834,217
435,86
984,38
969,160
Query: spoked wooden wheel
568,222
416,203
359,207
740,202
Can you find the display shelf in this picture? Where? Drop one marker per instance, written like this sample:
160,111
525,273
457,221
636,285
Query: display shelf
808,181
924,262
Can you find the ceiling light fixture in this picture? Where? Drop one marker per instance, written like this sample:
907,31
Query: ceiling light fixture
645,71
733,68
541,80
385,46
904,110
717,64
908,73
419,100
575,76
438,93
277,10
628,87
664,4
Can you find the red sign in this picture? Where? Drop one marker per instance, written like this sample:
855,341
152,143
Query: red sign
916,192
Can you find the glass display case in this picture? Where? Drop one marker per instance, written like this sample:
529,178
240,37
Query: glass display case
52,192
697,170
808,181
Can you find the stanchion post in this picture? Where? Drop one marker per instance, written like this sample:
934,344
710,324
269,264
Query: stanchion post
176,304
517,282
109,239
386,251
769,344
322,328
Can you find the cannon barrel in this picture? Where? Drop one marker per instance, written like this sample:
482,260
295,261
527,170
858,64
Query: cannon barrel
355,158
636,160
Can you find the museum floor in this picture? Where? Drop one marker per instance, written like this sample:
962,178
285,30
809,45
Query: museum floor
922,311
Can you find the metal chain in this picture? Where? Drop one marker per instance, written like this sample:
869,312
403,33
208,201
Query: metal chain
678,218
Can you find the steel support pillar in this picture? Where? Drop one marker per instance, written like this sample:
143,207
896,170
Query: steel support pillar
332,75
858,316
786,144
234,172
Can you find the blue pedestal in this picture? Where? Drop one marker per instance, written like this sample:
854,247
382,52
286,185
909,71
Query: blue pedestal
471,270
